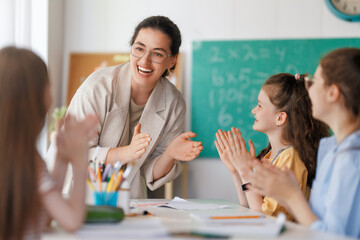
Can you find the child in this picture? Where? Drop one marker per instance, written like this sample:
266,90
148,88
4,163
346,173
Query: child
283,113
29,195
335,196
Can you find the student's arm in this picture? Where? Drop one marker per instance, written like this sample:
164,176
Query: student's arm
59,170
241,195
239,156
287,159
235,175
300,208
58,173
254,199
283,186
69,213
72,144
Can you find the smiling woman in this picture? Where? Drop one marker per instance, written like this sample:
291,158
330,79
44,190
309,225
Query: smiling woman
141,114
150,59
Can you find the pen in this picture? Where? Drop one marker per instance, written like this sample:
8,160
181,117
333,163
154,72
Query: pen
90,184
143,213
235,217
102,168
118,179
127,171
106,172
92,165
124,176
99,179
109,186
92,173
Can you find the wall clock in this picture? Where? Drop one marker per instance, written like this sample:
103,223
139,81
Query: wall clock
348,10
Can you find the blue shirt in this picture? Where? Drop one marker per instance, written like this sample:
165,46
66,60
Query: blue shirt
335,195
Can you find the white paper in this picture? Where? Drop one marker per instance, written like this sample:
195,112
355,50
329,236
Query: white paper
261,227
182,204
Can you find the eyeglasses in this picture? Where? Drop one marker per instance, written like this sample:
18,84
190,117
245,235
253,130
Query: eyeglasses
156,55
308,81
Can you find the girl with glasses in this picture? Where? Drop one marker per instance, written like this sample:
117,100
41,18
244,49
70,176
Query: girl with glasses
334,201
283,113
141,114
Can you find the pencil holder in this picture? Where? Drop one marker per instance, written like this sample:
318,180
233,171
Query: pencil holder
124,197
105,198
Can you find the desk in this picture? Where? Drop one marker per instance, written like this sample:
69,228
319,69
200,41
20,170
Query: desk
179,221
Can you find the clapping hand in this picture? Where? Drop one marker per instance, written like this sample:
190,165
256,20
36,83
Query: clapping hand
184,149
220,147
235,148
139,143
73,139
268,180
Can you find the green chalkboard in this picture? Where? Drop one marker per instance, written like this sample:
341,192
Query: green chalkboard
227,77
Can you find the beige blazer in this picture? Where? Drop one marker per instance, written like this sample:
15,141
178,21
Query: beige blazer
106,93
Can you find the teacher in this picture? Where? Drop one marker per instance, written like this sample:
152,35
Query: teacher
141,114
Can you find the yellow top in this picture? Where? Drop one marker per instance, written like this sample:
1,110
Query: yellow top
290,158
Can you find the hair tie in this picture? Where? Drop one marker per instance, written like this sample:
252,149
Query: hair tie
297,76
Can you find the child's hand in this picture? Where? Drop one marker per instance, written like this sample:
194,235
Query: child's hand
236,149
220,146
72,140
268,180
181,148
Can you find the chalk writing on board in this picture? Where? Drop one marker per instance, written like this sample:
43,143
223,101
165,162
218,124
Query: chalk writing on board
227,77
246,53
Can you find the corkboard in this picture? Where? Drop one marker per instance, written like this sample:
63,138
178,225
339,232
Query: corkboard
83,64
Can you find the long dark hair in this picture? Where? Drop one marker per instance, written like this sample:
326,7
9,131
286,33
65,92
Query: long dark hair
302,131
166,26
23,78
